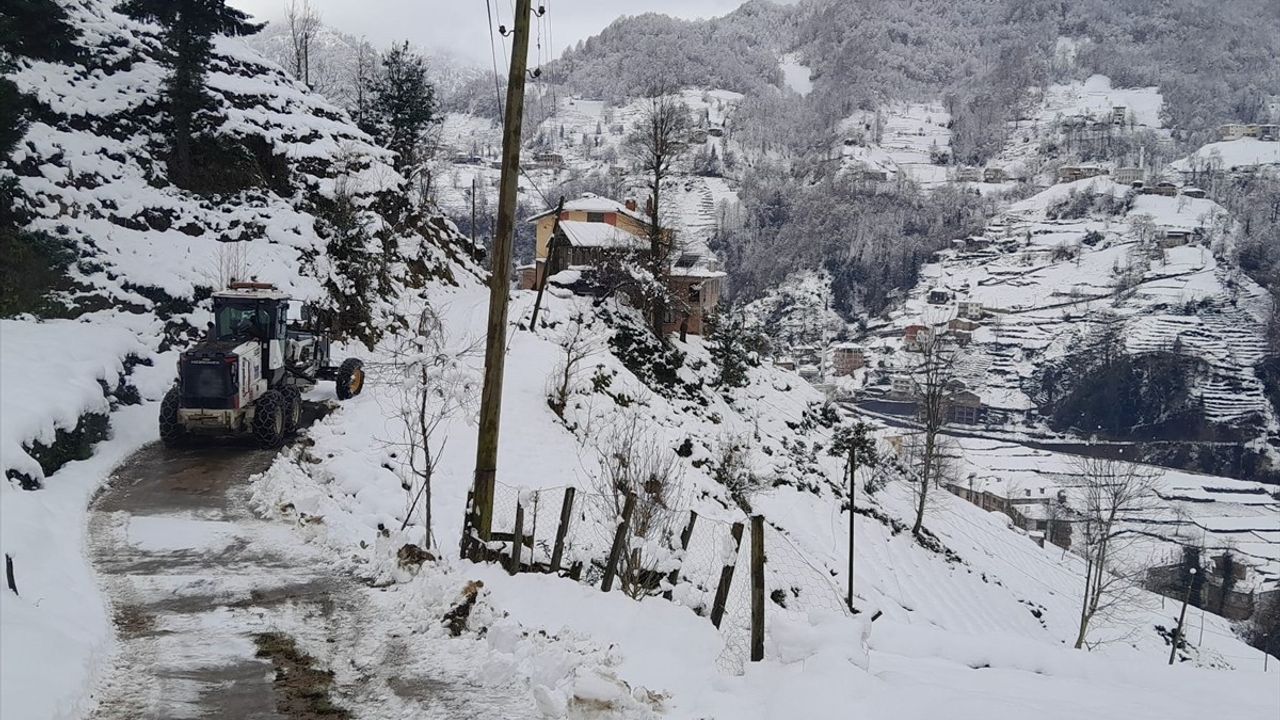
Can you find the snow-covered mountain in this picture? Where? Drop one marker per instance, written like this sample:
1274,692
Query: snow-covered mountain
970,619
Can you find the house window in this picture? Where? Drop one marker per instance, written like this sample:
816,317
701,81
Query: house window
595,217
695,294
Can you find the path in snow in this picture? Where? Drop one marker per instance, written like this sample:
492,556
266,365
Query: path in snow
192,574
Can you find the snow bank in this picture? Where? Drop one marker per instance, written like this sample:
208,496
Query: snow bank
50,376
56,630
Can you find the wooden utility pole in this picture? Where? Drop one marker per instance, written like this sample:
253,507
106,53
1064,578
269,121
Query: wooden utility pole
473,209
1186,597
853,487
757,588
495,348
546,265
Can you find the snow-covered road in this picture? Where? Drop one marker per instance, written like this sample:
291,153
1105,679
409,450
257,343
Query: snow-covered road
196,580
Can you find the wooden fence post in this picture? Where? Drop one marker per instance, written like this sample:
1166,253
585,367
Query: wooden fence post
726,577
517,539
464,544
619,542
685,535
13,584
566,515
757,588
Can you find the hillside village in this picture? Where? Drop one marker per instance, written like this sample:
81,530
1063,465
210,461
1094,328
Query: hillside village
813,404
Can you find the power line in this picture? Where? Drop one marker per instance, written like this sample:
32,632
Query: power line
493,54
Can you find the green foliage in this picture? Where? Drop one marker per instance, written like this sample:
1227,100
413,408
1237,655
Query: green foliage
13,117
871,241
1103,389
736,52
731,344
357,274
67,445
857,441
403,106
35,265
1082,204
36,29
189,28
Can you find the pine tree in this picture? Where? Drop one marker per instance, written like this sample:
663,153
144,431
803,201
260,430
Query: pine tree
189,28
403,106
729,350
36,29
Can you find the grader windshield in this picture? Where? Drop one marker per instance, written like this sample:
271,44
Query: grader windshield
236,319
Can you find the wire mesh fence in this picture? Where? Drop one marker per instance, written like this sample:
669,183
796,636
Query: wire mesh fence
642,548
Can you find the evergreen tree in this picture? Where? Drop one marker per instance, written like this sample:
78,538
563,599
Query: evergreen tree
189,28
731,349
403,106
36,29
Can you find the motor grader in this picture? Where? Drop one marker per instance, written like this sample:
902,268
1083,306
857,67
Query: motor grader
246,376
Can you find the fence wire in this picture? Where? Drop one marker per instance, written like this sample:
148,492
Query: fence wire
653,562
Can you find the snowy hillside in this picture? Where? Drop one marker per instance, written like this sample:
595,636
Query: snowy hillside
985,597
144,257
968,618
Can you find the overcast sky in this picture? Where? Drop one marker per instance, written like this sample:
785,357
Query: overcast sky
460,28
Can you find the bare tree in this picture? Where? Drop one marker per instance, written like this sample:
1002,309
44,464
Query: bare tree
303,21
634,462
577,343
656,142
1110,491
230,263
933,383
433,386
364,73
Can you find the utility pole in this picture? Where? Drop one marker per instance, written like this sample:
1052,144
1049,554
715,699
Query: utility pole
547,265
473,209
853,487
495,348
1186,597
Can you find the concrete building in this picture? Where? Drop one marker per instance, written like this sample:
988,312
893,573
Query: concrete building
847,357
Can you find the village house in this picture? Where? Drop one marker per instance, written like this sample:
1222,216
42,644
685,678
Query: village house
967,173
1041,511
549,159
966,408
1119,115
994,175
1231,131
1071,173
1194,193
1127,175
847,357
1173,236
970,310
962,329
1164,187
594,230
1236,131
938,296
972,243
902,386
1231,588
915,336
695,283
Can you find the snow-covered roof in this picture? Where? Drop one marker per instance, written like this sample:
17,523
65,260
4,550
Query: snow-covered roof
696,265
251,294
590,202
600,235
